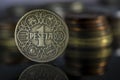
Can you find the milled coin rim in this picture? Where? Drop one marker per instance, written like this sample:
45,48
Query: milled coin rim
56,15
47,65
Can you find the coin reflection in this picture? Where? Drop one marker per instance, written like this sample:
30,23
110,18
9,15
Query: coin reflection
42,72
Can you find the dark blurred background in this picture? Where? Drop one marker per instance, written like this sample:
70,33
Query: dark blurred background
12,62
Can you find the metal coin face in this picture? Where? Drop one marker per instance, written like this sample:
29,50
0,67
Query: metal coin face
41,35
42,72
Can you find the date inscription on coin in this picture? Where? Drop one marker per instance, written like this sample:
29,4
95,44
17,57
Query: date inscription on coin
41,35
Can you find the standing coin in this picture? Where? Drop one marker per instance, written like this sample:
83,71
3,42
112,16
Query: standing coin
41,35
42,72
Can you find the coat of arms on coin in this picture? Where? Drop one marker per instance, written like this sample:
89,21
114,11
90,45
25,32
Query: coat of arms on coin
41,35
42,72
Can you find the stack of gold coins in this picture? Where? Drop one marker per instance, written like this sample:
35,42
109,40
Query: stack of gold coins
89,44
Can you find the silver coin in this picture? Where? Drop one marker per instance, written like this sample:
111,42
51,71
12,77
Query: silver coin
42,72
41,35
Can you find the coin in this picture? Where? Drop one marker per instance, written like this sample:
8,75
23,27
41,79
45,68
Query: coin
93,42
85,19
41,35
79,28
94,71
85,61
89,54
42,72
6,30
79,65
89,34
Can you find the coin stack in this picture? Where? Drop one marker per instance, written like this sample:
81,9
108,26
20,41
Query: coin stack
114,21
10,53
89,44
